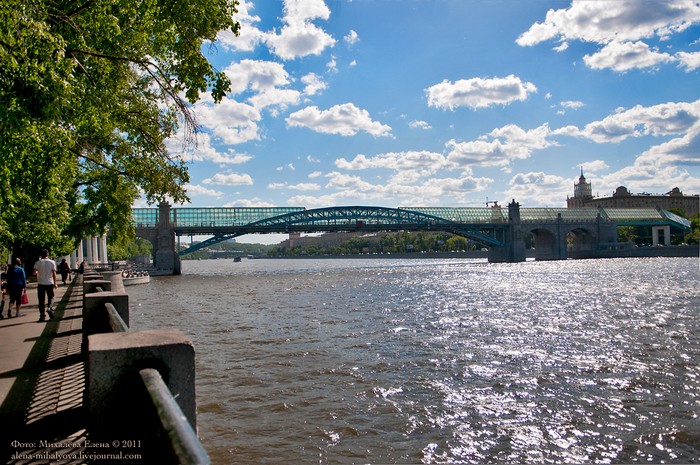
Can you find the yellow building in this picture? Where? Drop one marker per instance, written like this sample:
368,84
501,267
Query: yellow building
623,198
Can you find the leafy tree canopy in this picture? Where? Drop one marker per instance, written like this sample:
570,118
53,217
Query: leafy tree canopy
89,92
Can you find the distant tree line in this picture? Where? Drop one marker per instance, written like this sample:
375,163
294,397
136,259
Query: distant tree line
399,242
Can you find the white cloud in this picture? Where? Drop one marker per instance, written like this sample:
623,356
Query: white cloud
620,25
314,84
349,188
304,186
572,104
680,151
594,166
258,75
266,79
623,56
345,120
299,11
204,151
419,125
604,21
539,188
196,191
249,35
659,167
689,61
478,92
499,147
658,120
413,164
277,98
351,38
233,122
299,37
230,179
332,65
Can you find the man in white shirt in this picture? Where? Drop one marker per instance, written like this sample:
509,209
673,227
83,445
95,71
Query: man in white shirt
45,272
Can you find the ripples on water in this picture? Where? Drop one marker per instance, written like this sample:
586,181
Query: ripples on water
439,361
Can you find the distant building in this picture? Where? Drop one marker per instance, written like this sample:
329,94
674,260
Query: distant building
623,198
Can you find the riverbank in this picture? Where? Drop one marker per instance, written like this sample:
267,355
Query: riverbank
635,252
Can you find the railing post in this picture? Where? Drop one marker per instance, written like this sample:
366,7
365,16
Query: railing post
95,317
91,286
117,401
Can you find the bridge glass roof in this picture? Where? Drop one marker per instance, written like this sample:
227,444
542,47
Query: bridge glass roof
637,214
241,216
464,214
210,216
233,216
551,214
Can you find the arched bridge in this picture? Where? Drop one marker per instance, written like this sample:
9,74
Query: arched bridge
501,230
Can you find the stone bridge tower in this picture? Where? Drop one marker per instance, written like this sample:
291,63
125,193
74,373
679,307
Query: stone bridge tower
512,236
165,258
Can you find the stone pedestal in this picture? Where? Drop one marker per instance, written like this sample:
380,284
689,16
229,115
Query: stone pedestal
115,390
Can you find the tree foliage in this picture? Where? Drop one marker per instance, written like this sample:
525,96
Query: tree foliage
89,93
394,242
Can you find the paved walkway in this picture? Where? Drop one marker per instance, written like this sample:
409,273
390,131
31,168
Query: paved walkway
42,381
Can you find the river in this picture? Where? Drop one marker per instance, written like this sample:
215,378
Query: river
450,361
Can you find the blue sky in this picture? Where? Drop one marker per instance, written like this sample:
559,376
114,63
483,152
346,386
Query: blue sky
450,103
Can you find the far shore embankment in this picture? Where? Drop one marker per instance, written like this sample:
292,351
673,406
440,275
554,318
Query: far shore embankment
635,252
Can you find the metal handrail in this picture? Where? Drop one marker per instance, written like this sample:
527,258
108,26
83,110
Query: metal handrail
115,320
183,439
186,445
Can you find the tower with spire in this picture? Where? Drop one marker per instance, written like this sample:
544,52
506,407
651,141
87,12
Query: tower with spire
582,193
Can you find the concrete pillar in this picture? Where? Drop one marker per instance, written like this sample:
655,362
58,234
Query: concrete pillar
655,235
115,391
103,249
80,253
95,318
93,247
73,260
88,251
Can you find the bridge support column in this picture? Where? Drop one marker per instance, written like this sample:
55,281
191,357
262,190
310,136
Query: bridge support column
655,235
513,250
165,258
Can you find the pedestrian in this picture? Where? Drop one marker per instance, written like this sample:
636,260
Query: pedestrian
45,271
3,280
16,286
64,269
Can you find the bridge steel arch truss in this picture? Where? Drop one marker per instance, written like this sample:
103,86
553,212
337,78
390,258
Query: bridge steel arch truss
353,218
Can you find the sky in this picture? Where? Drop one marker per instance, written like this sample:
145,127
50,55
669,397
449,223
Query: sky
449,103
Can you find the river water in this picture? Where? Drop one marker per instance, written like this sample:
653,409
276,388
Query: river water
389,361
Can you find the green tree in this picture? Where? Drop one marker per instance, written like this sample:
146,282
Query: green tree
694,235
89,92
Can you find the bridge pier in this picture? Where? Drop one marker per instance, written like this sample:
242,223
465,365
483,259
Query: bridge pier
165,258
512,236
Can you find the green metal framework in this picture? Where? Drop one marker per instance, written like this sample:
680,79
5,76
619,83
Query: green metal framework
351,219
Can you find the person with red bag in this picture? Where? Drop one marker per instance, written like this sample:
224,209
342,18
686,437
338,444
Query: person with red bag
16,286
45,271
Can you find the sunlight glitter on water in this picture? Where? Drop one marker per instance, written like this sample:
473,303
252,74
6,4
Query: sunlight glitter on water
380,361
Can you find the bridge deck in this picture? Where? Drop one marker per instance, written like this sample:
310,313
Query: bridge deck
227,217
